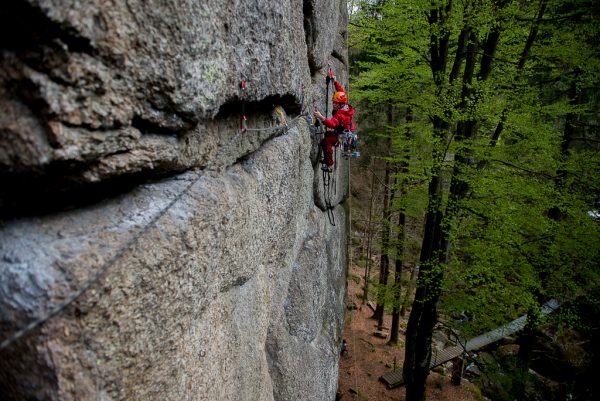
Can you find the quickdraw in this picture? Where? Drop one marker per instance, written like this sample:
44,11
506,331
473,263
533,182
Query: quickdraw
243,118
278,111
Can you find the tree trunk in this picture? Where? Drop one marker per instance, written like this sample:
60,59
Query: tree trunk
369,238
403,170
398,279
408,291
435,245
458,365
526,342
522,59
384,267
423,315
384,258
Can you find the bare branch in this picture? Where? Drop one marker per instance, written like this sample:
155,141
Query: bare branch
537,173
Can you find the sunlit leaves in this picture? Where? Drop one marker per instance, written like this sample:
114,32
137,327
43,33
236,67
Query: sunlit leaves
523,231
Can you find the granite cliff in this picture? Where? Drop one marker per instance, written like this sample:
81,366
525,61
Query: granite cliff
166,253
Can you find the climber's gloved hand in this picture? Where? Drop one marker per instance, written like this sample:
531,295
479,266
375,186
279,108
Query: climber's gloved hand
318,115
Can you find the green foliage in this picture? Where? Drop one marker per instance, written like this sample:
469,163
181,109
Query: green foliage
504,380
521,232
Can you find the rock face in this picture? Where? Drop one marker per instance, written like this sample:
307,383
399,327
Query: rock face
202,259
92,90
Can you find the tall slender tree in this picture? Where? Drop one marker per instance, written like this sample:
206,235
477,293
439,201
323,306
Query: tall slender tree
511,98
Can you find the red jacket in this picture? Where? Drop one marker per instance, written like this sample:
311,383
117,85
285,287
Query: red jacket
341,117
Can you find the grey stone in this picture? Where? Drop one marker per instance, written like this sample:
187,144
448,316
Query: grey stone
215,274
235,293
109,89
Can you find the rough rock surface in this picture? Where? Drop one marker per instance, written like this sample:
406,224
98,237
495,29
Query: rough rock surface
91,89
214,272
235,293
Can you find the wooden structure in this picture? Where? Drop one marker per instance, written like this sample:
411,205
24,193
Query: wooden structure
394,378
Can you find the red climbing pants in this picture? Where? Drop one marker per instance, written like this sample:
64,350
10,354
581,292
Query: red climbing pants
327,144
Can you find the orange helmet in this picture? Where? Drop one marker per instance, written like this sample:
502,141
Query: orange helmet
339,97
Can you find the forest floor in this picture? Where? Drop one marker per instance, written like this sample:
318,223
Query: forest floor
367,357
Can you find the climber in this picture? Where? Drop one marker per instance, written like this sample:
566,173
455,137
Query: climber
340,122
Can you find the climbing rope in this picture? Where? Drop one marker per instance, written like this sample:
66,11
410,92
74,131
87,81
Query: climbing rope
121,252
335,163
327,182
354,350
92,280
349,228
349,250
278,127
349,254
326,177
267,129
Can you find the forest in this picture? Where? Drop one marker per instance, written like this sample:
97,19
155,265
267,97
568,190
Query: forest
478,122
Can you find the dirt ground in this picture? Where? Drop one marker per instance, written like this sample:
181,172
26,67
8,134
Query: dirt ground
368,357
